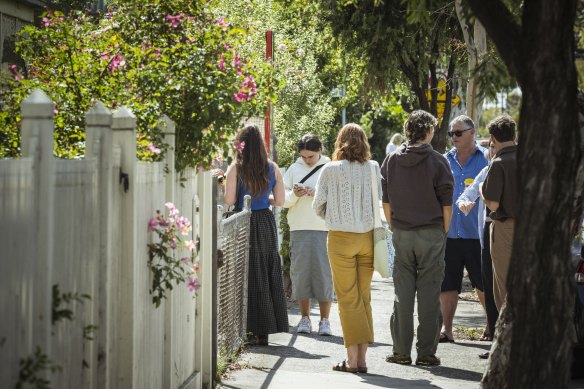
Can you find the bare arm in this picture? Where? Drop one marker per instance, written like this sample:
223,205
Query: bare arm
447,214
231,185
278,191
387,213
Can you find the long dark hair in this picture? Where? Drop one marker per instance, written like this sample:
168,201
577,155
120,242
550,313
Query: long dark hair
252,160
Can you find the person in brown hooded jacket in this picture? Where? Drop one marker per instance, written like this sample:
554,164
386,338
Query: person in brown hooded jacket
417,189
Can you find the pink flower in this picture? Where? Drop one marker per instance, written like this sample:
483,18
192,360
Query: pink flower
236,59
221,63
190,245
183,224
14,70
193,284
153,149
221,22
152,224
240,96
172,243
105,57
46,22
196,267
172,209
226,46
239,146
116,63
174,20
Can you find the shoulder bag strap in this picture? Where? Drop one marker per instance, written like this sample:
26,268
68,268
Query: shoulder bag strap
306,177
375,196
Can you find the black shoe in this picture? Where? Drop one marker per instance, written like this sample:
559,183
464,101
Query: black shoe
428,360
484,355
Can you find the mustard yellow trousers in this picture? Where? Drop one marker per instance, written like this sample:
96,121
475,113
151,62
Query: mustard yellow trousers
351,258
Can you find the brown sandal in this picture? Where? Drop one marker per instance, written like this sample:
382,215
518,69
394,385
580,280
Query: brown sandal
342,366
362,369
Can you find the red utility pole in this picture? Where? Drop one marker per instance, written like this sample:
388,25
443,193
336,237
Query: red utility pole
268,119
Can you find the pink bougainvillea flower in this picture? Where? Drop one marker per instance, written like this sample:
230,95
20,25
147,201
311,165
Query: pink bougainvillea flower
153,149
14,70
190,245
221,64
236,59
221,22
46,22
105,57
226,46
116,63
193,284
239,146
240,96
175,20
172,243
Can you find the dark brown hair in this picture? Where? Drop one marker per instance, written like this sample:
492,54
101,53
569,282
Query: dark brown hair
309,142
352,144
502,128
417,126
252,161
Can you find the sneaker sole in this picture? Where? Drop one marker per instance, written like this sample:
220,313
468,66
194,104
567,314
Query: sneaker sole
399,362
325,333
303,332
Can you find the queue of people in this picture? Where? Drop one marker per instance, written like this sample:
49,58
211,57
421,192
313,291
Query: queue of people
332,219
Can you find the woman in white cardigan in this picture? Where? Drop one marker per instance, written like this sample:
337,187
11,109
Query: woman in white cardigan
344,199
309,270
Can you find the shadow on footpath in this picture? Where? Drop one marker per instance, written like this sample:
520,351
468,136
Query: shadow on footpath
393,382
452,372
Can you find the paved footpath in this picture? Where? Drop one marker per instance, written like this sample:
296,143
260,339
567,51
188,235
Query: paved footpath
303,361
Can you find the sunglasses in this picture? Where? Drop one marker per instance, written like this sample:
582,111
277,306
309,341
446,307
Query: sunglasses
457,133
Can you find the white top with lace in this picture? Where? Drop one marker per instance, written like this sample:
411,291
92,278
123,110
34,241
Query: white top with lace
343,196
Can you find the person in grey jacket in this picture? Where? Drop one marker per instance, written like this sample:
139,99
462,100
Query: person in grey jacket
417,187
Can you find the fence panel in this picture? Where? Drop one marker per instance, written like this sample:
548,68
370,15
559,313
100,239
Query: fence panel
76,271
17,264
149,320
82,225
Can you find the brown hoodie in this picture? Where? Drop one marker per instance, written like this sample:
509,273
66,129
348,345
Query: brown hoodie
417,183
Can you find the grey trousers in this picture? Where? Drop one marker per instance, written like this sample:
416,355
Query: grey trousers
419,268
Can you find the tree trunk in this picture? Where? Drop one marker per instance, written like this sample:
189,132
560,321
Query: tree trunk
476,47
535,332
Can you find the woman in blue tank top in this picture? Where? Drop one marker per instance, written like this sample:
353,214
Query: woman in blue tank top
252,173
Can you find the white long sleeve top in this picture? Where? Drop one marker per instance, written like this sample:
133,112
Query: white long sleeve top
343,196
301,216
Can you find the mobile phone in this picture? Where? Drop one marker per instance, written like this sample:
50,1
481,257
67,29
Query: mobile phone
298,186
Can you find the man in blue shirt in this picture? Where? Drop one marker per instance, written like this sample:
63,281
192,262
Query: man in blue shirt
463,248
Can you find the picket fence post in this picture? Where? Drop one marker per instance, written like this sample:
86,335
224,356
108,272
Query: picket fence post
124,135
37,142
204,319
167,127
99,145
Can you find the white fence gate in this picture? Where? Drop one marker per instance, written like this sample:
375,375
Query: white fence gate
79,227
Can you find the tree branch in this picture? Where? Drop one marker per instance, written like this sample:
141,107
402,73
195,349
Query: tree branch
504,31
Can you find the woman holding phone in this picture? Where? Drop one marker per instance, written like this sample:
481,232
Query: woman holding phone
309,270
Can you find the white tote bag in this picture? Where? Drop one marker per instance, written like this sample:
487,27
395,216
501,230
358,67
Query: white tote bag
381,255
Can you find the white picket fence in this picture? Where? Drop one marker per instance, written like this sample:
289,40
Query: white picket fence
82,225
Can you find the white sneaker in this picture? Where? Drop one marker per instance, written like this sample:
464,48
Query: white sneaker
305,326
324,327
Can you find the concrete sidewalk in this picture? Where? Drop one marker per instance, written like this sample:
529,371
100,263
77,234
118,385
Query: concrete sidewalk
303,361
